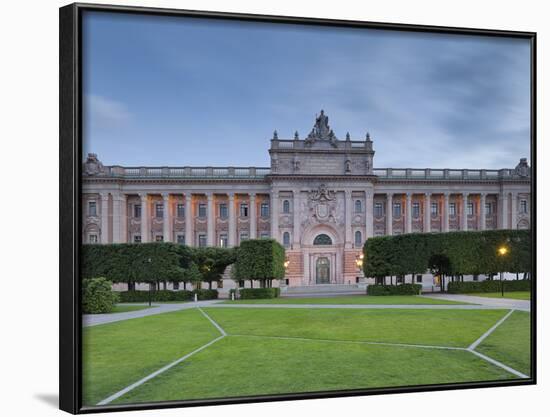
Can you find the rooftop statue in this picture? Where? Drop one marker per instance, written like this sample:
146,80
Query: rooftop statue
321,130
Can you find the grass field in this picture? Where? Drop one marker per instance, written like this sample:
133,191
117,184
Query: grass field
515,295
123,308
351,299
510,343
294,350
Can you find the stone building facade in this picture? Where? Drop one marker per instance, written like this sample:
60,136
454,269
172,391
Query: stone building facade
322,197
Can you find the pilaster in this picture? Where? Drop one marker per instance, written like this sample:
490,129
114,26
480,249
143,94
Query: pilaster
427,213
389,214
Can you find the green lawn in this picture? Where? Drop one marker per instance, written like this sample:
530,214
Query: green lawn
123,308
510,342
237,366
253,360
118,354
457,328
515,295
350,299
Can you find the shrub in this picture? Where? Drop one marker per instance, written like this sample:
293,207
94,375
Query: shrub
257,293
160,295
97,296
488,286
205,294
403,289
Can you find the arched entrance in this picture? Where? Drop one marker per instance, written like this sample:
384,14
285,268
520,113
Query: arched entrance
322,275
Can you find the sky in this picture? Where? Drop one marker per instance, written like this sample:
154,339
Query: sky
167,91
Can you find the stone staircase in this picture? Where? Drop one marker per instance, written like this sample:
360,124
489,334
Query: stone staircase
323,290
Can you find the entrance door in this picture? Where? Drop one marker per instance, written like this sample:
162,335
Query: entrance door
323,271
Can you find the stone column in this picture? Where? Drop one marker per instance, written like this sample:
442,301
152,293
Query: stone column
189,219
104,217
514,219
446,212
296,217
144,218
232,223
369,214
427,213
503,209
348,203
252,216
275,215
408,218
389,214
482,212
119,218
464,220
210,225
166,219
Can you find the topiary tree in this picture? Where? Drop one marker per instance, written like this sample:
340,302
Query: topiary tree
260,259
98,296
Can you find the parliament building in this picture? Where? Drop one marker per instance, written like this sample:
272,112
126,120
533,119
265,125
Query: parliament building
321,198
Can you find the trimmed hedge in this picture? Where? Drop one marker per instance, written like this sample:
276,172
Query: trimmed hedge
488,286
98,296
468,253
403,289
257,293
166,295
259,259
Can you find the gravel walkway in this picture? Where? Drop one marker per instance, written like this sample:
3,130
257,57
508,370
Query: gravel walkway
507,303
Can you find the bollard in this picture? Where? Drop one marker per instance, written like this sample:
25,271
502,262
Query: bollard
196,298
232,296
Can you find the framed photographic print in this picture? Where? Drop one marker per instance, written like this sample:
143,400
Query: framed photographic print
260,208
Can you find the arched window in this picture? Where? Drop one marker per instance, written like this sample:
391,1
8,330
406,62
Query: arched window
286,206
358,239
358,206
286,239
322,239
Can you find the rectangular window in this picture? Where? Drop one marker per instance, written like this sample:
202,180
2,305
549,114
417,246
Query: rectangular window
137,211
243,237
488,209
92,239
180,238
419,279
159,238
452,209
264,210
223,241
223,211
435,209
180,210
159,210
470,209
416,210
137,238
264,235
92,208
523,206
396,209
244,210
378,210
202,241
202,210
476,277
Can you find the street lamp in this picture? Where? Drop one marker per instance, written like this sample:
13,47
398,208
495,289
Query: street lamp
149,262
502,252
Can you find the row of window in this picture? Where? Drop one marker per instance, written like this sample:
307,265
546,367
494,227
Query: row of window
264,209
180,238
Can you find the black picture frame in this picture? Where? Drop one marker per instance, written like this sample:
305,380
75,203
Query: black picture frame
70,125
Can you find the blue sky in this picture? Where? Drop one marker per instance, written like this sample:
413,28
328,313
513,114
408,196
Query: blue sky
166,91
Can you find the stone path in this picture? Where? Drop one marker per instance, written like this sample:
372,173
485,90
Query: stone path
95,319
506,303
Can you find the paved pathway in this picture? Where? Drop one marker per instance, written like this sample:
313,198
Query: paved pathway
365,306
95,319
508,303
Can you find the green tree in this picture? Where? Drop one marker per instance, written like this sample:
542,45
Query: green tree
260,259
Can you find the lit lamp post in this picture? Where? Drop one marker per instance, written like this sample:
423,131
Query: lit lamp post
502,252
286,264
359,263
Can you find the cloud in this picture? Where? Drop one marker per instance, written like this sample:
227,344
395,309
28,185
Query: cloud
105,113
